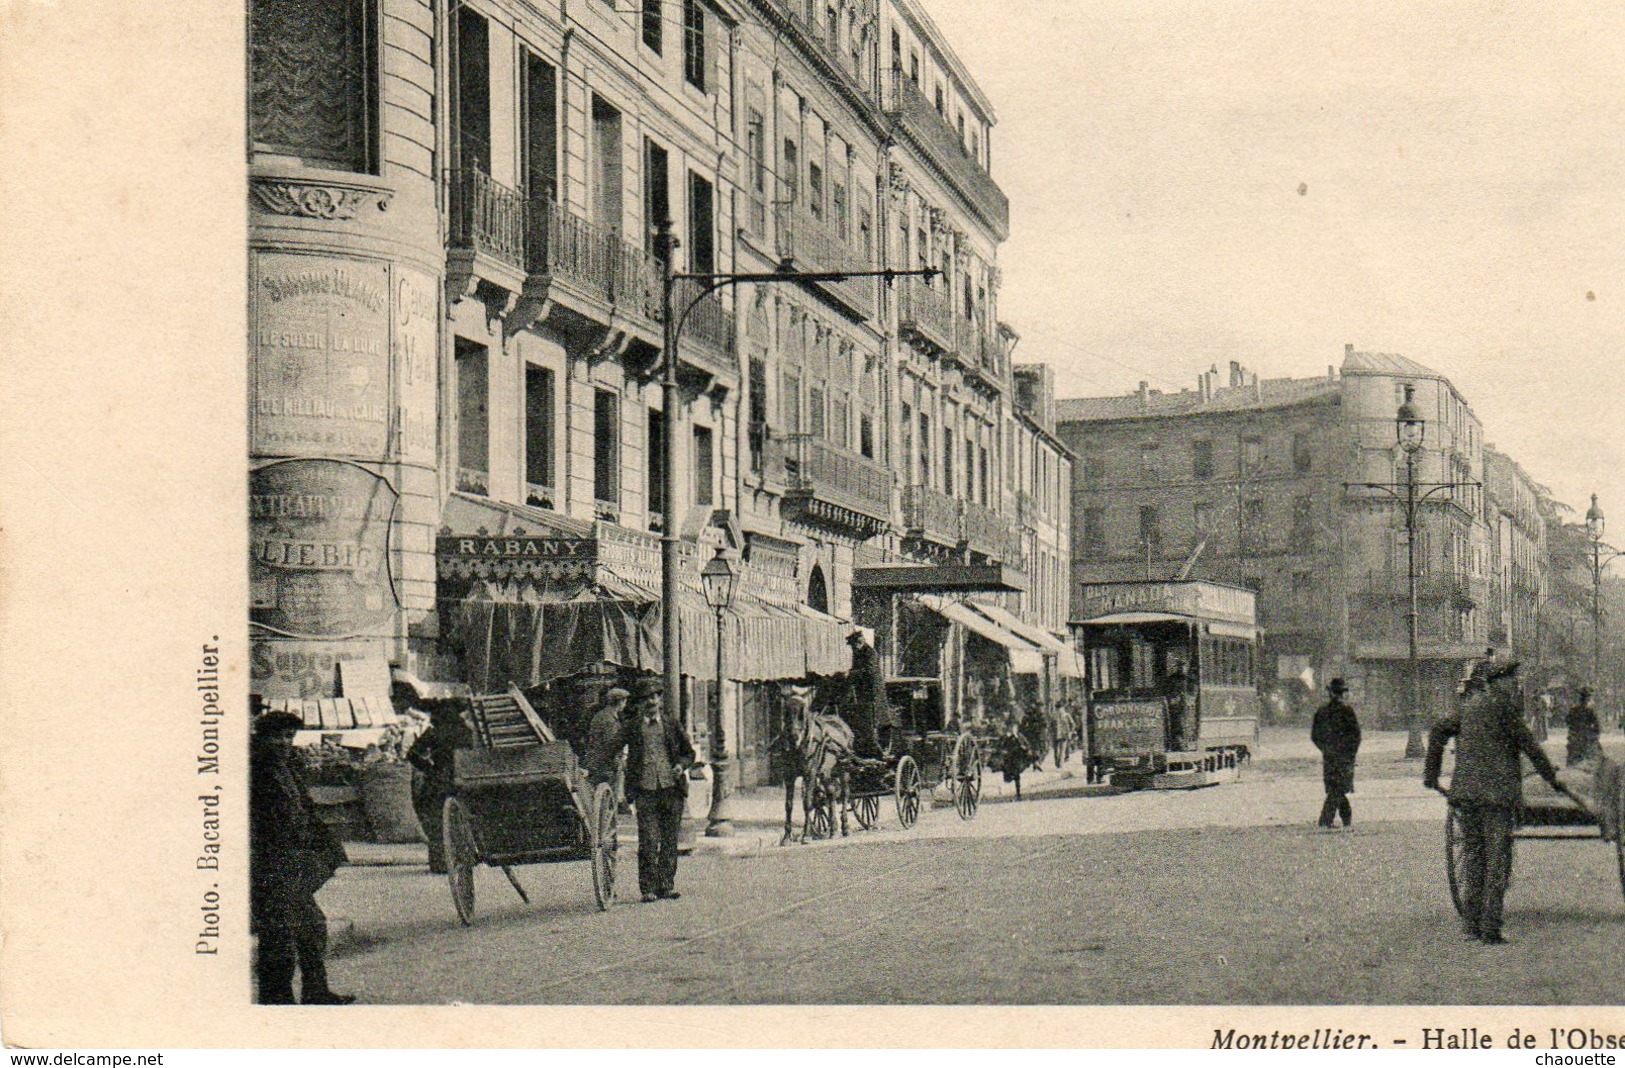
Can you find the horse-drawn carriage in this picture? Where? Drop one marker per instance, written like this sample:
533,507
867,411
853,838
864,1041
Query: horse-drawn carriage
521,798
917,757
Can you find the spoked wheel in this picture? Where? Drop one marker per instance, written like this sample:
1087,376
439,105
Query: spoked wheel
907,792
462,853
606,844
967,777
1454,840
819,811
866,810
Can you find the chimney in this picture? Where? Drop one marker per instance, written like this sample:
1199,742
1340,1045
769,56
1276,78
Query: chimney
1348,350
1236,377
1145,396
1258,388
1331,373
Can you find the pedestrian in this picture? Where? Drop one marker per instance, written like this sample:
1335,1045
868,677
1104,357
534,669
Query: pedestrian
606,737
1015,753
1336,733
1486,790
658,756
292,853
1585,732
867,709
433,757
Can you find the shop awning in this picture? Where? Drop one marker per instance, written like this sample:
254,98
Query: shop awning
1025,656
1067,660
826,651
939,578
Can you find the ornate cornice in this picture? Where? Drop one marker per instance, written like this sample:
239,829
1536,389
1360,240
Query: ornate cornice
319,199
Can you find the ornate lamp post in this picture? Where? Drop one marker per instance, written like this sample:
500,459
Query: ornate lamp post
718,579
1601,556
673,317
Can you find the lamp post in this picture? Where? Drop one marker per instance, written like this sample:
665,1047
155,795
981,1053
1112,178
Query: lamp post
718,580
1410,432
672,319
1601,556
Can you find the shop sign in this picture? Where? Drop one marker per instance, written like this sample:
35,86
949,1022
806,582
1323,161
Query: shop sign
1200,600
319,329
319,549
416,309
515,548
1128,727
291,668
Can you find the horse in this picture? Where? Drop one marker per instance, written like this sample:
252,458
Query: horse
816,747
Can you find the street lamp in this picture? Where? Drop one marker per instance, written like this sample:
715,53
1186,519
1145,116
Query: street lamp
672,319
1409,430
1601,556
718,579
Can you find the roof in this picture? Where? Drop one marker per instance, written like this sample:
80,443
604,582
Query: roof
1266,393
1385,363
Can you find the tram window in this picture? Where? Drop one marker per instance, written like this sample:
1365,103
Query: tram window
1103,669
1142,660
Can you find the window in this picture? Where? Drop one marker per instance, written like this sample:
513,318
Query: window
1252,455
790,401
837,206
1150,456
896,51
606,163
473,418
866,435
815,190
905,426
940,110
970,469
1303,585
654,477
815,411
1094,532
312,87
981,473
1150,530
1302,457
473,45
541,129
1303,524
694,48
757,431
925,449
914,67
656,190
947,459
790,173
653,26
702,229
1202,460
961,118
704,466
606,457
756,149
538,433
866,237
1254,538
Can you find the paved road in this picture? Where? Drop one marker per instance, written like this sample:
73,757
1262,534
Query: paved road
1065,900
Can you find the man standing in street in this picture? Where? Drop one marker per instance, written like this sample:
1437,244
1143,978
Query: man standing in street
1336,733
866,705
606,737
658,757
1487,790
1584,732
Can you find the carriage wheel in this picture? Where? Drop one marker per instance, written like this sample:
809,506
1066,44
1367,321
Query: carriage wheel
967,777
606,844
867,811
819,818
1454,839
907,792
462,853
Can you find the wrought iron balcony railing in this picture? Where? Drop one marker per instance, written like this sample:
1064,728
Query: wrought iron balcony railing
823,471
931,513
816,246
931,132
487,216
985,530
925,313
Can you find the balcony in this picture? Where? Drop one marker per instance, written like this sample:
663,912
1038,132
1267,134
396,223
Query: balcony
823,42
925,314
931,515
487,217
985,530
833,487
941,145
816,247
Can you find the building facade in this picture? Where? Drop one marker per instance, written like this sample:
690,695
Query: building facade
1295,488
456,328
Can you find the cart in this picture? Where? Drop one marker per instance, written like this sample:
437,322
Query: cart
925,762
1556,816
520,798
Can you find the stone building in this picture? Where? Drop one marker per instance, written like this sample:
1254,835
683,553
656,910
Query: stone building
1294,488
456,332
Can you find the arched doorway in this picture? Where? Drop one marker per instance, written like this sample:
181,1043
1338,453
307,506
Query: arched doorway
817,590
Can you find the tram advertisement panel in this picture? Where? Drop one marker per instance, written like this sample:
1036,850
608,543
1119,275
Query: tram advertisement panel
1127,727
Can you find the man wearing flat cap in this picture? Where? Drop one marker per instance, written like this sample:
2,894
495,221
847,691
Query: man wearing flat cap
291,854
1336,733
1486,789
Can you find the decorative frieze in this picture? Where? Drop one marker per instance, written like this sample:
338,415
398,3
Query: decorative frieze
319,199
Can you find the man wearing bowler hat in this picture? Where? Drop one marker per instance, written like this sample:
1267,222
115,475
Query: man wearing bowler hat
1486,790
658,756
1336,733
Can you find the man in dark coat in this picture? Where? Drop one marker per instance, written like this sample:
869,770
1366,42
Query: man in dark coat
1336,733
1585,732
606,737
1486,790
291,854
658,756
867,709
433,757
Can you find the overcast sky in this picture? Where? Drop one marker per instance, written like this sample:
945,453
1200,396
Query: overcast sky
1192,183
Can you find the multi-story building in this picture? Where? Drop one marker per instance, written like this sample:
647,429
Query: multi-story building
1295,489
456,334
1518,555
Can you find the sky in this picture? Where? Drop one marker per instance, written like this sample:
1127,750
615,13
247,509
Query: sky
1195,183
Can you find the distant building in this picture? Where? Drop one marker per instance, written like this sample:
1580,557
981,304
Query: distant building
1265,483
